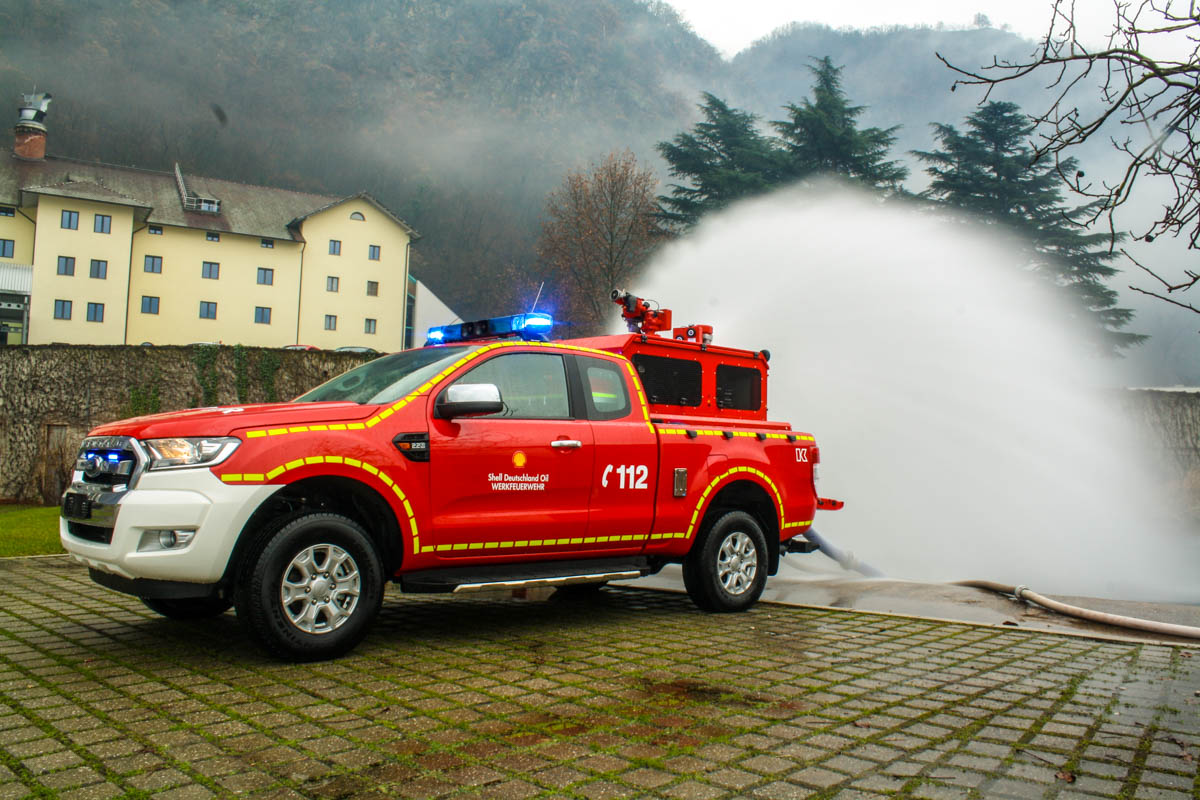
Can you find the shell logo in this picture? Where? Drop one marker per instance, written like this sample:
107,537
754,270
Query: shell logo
519,459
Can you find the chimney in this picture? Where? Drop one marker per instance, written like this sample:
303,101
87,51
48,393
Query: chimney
30,132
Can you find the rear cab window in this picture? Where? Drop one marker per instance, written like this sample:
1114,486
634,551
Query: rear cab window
605,390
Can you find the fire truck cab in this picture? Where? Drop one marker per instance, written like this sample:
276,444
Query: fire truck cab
489,459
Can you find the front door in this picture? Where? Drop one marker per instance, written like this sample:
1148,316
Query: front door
517,482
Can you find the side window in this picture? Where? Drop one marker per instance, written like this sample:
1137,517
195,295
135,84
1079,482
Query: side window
604,388
532,385
669,381
739,387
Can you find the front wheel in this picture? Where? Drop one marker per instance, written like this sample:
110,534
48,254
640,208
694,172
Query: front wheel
726,569
310,589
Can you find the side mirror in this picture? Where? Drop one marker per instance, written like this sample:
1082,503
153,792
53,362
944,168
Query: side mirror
468,400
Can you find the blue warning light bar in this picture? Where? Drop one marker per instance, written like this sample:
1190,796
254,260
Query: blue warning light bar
533,326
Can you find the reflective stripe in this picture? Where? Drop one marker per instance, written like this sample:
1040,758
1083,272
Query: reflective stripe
379,474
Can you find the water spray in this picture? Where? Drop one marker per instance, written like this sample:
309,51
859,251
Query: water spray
960,412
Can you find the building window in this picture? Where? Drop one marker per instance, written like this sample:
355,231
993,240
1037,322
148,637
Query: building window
156,230
212,236
210,205
208,310
5,211
99,269
357,215
70,220
262,315
149,304
210,270
335,247
373,252
153,264
369,325
331,322
331,283
62,309
66,265
267,243
266,277
103,224
372,288
95,312
7,248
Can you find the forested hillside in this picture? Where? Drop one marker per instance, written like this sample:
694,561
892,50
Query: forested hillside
461,115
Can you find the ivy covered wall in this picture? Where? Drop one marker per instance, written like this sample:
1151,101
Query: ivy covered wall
51,395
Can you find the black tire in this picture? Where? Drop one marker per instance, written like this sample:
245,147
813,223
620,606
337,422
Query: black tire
323,555
188,607
726,569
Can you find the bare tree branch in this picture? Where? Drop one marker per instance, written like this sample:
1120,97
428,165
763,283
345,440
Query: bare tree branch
1147,79
600,228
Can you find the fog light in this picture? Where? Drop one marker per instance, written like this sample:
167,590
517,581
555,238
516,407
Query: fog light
171,539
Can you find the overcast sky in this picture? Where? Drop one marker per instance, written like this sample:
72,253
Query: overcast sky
731,25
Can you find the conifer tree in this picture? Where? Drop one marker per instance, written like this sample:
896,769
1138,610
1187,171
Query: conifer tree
725,157
821,135
988,171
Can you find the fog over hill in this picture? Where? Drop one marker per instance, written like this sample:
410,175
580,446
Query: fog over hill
460,115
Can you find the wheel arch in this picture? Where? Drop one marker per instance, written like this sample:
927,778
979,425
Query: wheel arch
332,493
746,494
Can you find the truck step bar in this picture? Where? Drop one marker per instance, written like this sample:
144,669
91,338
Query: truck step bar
526,576
562,580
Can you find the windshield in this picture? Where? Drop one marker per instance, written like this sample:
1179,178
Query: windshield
386,379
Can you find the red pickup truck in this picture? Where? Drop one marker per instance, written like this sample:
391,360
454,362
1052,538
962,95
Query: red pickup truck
488,459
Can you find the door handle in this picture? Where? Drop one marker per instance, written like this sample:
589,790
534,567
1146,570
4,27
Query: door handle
566,443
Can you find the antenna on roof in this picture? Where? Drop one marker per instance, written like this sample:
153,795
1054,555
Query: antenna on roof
533,307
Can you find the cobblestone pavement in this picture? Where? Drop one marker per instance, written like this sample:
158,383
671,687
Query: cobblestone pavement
630,693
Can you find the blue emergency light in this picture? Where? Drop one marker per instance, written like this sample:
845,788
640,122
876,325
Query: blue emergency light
533,326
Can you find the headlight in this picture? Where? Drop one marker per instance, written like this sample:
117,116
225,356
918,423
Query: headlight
190,452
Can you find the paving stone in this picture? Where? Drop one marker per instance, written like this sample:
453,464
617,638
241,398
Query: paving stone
632,694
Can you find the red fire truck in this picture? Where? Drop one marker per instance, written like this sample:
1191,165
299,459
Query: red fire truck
489,459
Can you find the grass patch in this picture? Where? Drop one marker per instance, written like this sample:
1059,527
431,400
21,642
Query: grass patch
29,530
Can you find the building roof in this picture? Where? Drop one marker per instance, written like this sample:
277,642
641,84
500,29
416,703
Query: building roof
363,196
16,279
85,190
246,209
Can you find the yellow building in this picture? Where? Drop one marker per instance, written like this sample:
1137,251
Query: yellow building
120,255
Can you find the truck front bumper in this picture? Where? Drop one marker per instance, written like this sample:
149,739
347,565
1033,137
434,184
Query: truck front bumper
124,533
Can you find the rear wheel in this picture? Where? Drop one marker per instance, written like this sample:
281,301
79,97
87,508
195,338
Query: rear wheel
188,607
726,569
310,589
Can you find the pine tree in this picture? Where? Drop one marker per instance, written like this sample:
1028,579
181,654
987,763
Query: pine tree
821,135
988,171
725,157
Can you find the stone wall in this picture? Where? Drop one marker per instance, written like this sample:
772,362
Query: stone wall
51,395
1170,420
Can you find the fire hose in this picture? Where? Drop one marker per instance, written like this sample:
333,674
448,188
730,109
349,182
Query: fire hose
1025,593
850,562
844,557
